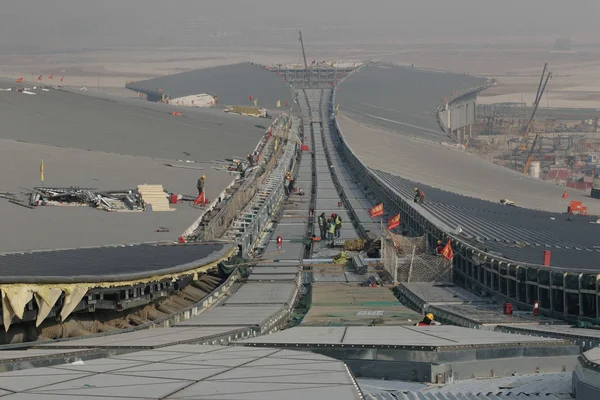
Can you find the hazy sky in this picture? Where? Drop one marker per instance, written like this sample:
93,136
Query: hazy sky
41,25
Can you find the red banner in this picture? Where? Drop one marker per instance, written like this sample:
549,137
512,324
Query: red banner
447,251
376,211
393,222
20,80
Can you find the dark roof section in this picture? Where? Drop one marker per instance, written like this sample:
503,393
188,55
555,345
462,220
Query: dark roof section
233,84
516,233
108,264
402,99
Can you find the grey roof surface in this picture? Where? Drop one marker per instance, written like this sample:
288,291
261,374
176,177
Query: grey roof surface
432,336
562,331
108,263
516,233
70,227
146,338
461,396
188,372
543,386
263,293
234,315
75,120
231,83
108,144
456,171
399,98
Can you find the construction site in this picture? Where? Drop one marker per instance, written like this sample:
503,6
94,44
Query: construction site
555,144
317,230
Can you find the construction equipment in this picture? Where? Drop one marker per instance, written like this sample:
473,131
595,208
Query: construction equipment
248,111
304,56
530,124
537,135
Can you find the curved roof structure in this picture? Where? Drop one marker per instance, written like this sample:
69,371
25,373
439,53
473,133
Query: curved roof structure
107,144
401,99
233,84
420,155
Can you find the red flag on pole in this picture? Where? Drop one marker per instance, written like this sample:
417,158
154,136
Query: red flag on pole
39,78
287,103
447,251
19,80
565,195
250,98
394,222
376,211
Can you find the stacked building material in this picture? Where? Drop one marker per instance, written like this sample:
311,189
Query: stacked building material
155,196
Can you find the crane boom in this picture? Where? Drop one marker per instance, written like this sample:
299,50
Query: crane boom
537,135
538,97
304,56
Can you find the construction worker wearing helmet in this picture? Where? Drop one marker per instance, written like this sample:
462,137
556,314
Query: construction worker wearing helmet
428,320
200,184
419,196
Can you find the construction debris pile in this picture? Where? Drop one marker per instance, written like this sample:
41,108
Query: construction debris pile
123,200
144,198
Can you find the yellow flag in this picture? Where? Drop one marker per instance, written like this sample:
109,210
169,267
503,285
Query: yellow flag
42,171
337,107
278,103
255,102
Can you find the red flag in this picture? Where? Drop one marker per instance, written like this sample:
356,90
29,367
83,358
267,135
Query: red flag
447,251
287,103
39,78
376,211
250,98
19,80
565,195
51,76
394,222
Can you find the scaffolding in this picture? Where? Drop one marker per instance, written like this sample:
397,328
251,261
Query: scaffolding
407,259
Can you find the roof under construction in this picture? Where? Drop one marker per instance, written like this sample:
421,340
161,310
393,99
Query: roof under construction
452,170
107,144
401,99
515,233
232,84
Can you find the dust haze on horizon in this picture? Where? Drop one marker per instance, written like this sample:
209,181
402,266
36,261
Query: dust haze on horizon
36,26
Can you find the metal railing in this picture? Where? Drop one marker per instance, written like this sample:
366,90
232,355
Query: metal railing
217,226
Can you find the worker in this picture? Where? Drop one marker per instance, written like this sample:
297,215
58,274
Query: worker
427,320
419,196
322,222
291,184
250,159
286,183
440,247
200,184
331,229
338,226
